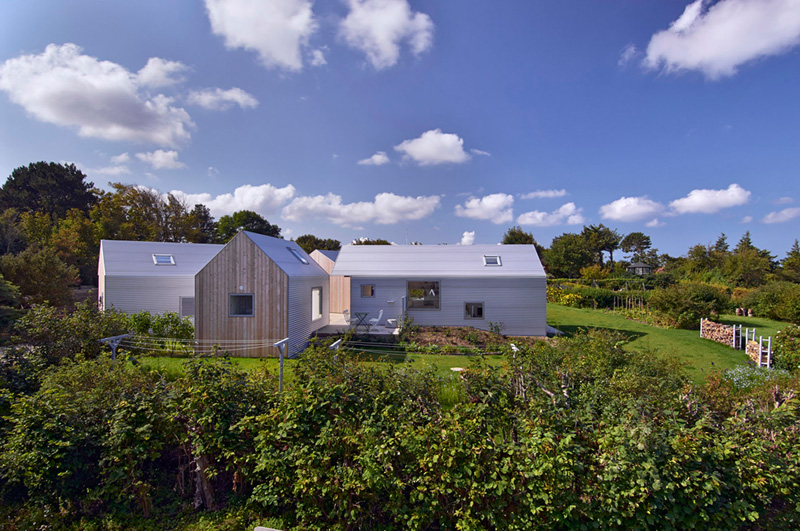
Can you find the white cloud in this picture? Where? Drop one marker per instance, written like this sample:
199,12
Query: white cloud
631,209
264,199
468,238
567,214
213,172
497,208
717,38
546,194
317,58
277,30
655,223
378,27
434,147
122,158
110,170
627,54
100,98
710,201
161,160
378,159
746,219
784,201
480,152
387,208
782,216
160,73
220,100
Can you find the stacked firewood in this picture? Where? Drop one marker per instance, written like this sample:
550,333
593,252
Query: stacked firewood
717,332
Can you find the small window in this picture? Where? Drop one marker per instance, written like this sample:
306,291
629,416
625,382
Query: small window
367,290
241,305
163,259
316,303
298,255
187,306
473,310
491,260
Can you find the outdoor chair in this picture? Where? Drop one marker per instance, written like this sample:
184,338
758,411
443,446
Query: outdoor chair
373,323
347,319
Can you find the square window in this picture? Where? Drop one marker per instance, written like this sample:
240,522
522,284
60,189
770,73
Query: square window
473,310
187,306
241,305
423,294
367,290
491,260
163,259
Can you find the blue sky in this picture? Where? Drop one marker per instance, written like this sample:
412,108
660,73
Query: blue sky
437,122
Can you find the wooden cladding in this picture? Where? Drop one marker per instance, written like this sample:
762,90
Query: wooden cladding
242,268
339,286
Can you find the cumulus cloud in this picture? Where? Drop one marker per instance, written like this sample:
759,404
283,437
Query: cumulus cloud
110,170
161,73
317,58
434,147
746,219
379,27
378,159
567,214
218,99
100,98
386,209
278,30
122,158
717,38
784,200
631,209
497,208
264,199
627,54
710,201
161,160
468,238
782,216
655,223
545,194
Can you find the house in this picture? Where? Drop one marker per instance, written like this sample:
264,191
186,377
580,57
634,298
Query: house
339,286
639,268
461,285
156,277
258,290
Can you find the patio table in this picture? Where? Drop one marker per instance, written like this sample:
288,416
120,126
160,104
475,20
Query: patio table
361,320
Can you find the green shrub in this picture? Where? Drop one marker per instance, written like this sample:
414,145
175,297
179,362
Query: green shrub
787,348
685,304
775,300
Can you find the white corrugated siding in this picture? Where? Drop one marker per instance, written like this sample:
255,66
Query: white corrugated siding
300,324
518,303
155,295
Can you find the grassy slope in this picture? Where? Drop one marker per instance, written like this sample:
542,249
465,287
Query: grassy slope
701,355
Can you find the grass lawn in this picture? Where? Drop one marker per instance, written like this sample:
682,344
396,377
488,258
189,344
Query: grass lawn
700,355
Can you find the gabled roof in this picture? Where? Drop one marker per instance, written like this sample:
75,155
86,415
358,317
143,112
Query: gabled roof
437,261
122,258
640,265
331,255
280,252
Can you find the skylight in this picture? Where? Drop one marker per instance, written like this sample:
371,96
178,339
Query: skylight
491,260
163,259
298,255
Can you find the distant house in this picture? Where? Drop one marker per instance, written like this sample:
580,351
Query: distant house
339,286
639,268
453,285
258,290
154,276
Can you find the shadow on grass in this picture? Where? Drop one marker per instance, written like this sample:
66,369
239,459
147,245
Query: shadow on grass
571,330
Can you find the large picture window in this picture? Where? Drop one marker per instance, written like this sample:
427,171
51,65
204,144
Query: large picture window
316,303
423,294
241,305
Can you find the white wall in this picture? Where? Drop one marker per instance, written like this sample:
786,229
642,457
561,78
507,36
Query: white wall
518,303
300,324
156,295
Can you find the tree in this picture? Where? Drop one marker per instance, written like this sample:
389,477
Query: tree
47,187
229,226
746,268
721,245
12,240
201,226
745,242
599,239
309,242
567,256
791,264
40,275
637,243
517,236
367,241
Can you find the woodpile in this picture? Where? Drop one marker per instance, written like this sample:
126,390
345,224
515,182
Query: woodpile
717,332
744,312
754,352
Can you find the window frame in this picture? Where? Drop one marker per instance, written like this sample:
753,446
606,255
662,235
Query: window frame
409,300
367,286
252,304
486,258
314,316
156,257
482,307
194,306
297,255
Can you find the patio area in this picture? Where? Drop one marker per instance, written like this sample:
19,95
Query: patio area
338,325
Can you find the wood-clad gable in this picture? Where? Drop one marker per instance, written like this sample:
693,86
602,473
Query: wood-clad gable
242,268
339,286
